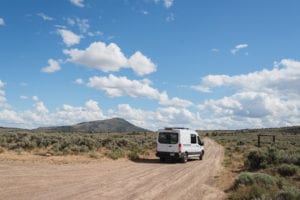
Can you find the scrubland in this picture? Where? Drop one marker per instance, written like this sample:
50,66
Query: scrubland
271,171
94,145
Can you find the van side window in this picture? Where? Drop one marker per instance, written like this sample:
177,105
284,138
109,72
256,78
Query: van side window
193,139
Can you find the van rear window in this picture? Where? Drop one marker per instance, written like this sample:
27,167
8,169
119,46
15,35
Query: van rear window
168,138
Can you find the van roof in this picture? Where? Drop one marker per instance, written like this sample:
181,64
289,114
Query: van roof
172,128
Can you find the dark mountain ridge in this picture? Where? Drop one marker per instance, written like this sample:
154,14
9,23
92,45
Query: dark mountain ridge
117,125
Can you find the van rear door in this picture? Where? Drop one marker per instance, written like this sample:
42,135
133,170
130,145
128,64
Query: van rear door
167,142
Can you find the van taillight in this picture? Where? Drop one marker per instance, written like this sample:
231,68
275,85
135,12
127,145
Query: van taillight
179,147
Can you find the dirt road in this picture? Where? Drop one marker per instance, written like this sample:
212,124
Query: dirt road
147,179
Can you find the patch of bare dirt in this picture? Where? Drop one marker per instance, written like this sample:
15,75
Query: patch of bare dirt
122,179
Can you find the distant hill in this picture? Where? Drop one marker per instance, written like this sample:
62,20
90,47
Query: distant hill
118,125
280,130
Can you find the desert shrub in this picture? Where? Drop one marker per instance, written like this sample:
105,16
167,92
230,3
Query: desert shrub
245,178
289,157
115,154
256,159
133,155
76,143
250,193
122,142
19,151
290,193
272,155
240,142
237,148
253,186
287,170
93,154
214,134
248,178
84,148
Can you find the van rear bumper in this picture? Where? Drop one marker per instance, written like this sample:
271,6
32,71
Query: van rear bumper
169,155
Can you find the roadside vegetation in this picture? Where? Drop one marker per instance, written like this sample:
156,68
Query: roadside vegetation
95,145
271,171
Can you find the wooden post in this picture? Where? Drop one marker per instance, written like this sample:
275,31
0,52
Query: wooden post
258,140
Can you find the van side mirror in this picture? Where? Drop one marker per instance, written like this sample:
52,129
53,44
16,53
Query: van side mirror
201,143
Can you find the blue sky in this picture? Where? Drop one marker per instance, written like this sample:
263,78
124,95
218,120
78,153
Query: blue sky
202,64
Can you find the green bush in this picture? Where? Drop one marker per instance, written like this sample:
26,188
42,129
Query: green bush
287,170
272,156
133,155
240,143
252,192
253,186
115,154
93,154
290,193
248,178
245,178
289,157
256,159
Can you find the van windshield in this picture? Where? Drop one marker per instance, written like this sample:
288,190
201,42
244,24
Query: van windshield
168,138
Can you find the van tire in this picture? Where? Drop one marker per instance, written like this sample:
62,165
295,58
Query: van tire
184,158
201,155
161,159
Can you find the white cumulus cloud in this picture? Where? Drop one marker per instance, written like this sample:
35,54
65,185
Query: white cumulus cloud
121,86
141,64
110,58
71,115
35,98
2,22
69,38
40,107
53,66
266,98
166,3
82,24
282,80
78,3
3,100
79,81
45,17
2,84
170,17
238,48
39,115
99,56
158,118
23,97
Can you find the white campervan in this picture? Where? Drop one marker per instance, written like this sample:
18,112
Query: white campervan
179,143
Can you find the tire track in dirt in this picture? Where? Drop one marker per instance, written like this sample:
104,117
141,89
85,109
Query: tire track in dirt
147,179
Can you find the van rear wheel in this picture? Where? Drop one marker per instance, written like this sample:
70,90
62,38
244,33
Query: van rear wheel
184,158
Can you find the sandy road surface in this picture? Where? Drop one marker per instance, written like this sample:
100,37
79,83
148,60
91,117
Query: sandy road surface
147,179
